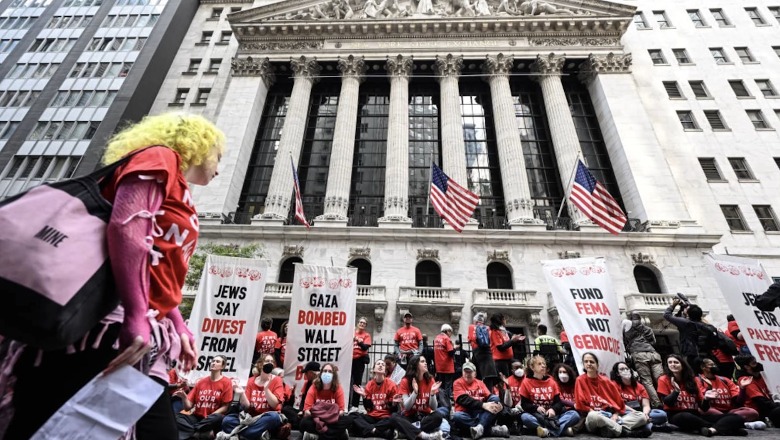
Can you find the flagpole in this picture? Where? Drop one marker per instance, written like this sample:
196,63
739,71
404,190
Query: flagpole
568,187
428,201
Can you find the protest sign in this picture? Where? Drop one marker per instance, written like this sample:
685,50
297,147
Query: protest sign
226,314
588,308
322,321
741,280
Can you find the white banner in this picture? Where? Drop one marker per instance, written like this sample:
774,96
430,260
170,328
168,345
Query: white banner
226,314
322,322
588,307
741,280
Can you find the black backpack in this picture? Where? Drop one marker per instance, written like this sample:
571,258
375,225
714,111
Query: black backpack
706,337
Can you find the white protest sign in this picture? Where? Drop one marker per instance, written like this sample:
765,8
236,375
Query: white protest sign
588,307
322,321
741,280
226,314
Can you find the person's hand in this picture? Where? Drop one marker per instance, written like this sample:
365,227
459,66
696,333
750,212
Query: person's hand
504,379
130,356
188,354
550,412
744,381
711,394
415,387
359,390
676,302
180,394
238,389
540,409
435,387
675,385
398,398
492,407
615,417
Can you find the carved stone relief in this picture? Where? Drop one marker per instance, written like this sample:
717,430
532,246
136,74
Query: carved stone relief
292,251
641,258
360,252
498,255
565,255
428,254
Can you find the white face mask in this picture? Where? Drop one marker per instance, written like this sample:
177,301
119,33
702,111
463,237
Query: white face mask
563,377
625,374
519,372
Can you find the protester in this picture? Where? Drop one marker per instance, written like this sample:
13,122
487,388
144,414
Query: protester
185,148
757,393
635,396
543,410
407,340
568,357
265,341
479,318
324,411
207,403
380,398
728,399
565,376
686,405
310,372
482,356
733,331
510,397
361,342
420,404
475,409
444,357
501,342
685,321
281,345
261,399
176,382
639,340
770,299
393,370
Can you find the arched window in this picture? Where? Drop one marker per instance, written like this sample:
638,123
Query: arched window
499,276
646,280
287,271
427,274
364,271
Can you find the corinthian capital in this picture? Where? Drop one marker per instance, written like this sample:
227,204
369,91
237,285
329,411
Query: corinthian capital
305,67
449,65
253,67
609,63
352,67
399,66
498,65
550,64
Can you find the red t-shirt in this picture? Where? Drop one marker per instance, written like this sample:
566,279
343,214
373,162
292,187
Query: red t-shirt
333,396
408,338
423,396
256,395
756,388
208,396
725,388
598,394
381,395
540,392
265,342
733,326
567,393
476,389
174,379
685,401
472,337
364,338
564,336
635,393
498,337
178,223
281,345
514,388
442,346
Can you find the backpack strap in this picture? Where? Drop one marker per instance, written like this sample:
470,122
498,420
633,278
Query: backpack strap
108,170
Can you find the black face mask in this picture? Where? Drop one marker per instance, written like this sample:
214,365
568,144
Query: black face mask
758,368
714,369
268,368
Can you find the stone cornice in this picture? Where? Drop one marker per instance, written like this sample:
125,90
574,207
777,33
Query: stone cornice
254,67
609,63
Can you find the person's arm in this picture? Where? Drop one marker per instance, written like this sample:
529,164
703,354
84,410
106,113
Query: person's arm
671,398
274,395
528,405
648,334
469,402
676,320
770,299
222,409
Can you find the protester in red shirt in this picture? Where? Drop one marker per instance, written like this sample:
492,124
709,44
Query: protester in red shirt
733,331
686,405
263,396
361,342
565,376
380,398
636,397
475,408
326,388
757,393
541,402
729,399
444,358
501,342
595,394
479,318
207,402
281,344
407,340
265,341
419,403
176,382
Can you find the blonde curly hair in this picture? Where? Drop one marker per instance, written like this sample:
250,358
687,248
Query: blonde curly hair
192,136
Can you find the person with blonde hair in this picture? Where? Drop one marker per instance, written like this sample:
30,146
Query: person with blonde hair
151,235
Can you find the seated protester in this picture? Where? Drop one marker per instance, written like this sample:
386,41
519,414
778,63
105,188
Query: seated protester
422,417
176,382
729,399
599,397
207,403
475,408
393,369
733,331
293,414
757,393
325,388
636,397
509,395
686,405
380,398
725,361
289,400
262,399
543,410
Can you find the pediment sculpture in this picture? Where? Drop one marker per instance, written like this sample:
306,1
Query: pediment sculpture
384,9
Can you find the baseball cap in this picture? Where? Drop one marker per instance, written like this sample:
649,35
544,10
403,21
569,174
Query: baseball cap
409,314
469,366
311,366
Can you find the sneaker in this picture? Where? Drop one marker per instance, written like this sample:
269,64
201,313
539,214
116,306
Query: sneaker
266,435
476,432
310,436
542,432
759,425
285,431
642,432
625,432
499,431
568,432
432,435
707,432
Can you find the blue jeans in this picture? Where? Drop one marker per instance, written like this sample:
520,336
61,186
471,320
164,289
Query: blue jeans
658,417
269,421
467,419
565,420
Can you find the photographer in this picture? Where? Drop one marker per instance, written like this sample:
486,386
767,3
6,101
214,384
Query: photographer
686,320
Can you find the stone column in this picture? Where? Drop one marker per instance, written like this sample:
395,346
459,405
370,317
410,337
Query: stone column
564,135
649,190
277,203
247,90
517,194
340,170
397,171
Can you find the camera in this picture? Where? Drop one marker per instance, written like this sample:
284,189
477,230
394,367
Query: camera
684,303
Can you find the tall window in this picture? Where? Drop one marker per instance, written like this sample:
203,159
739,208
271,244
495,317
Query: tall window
719,55
766,87
766,216
363,267
427,274
734,218
699,89
681,55
662,19
672,90
287,269
739,88
710,168
424,146
646,281
367,189
656,56
687,120
755,16
741,169
499,276
744,54
696,18
758,120
639,21
715,120
720,17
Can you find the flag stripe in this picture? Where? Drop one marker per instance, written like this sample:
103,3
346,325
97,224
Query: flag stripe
451,201
595,202
299,215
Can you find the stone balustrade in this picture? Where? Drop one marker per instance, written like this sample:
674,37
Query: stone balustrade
430,294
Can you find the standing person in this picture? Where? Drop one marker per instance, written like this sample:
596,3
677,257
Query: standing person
639,340
407,340
501,345
482,356
547,346
262,398
757,393
325,388
361,342
148,267
380,398
207,402
444,357
475,408
733,331
729,400
281,345
541,402
427,352
420,404
635,396
686,321
265,341
479,318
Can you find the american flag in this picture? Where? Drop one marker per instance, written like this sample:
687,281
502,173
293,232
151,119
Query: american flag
451,201
593,199
298,203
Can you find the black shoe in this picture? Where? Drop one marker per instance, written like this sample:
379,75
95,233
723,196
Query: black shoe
706,432
641,432
740,432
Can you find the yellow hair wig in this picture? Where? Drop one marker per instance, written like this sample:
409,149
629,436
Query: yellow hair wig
192,136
